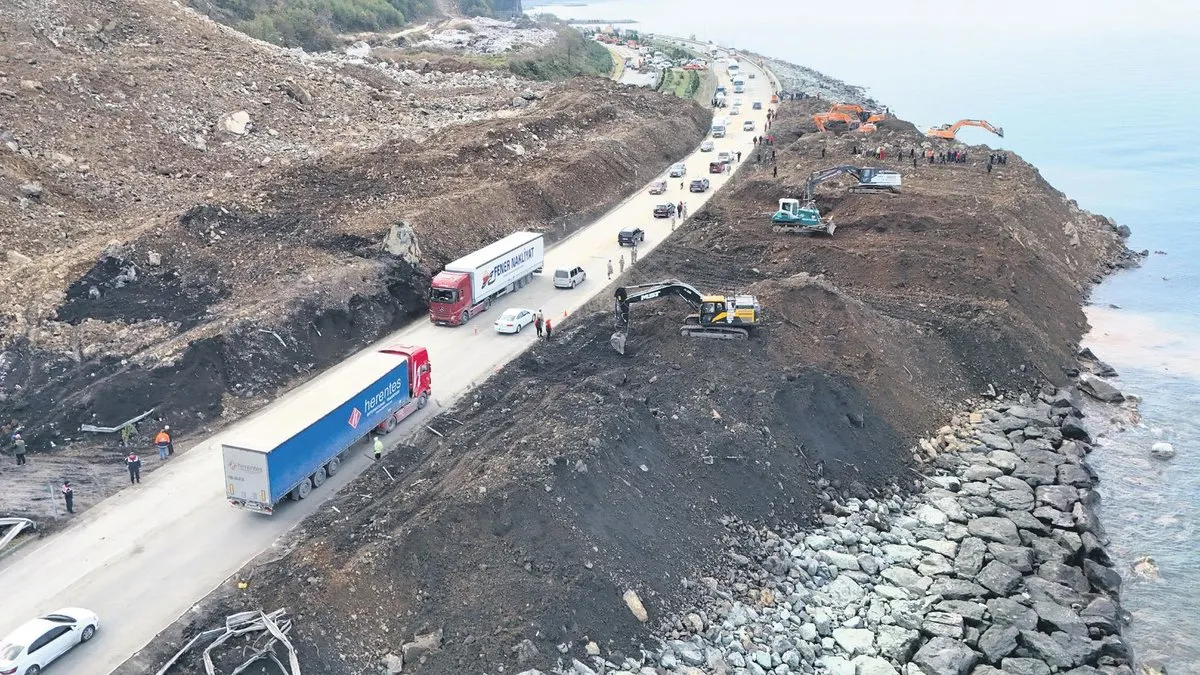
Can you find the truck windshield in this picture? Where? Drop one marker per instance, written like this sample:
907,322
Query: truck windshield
448,295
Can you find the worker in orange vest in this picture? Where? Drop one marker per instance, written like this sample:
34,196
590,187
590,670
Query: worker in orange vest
162,441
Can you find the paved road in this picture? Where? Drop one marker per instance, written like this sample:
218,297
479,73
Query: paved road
144,556
640,78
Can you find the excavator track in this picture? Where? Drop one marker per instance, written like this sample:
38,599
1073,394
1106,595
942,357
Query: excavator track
717,332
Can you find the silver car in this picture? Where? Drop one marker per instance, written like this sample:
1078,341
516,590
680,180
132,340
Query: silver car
569,277
707,146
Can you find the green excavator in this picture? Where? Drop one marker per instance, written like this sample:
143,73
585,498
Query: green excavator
804,217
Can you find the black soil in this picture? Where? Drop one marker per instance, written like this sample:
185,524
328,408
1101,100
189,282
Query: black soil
116,289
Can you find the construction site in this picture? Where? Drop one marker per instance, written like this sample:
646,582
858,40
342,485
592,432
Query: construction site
186,240
512,535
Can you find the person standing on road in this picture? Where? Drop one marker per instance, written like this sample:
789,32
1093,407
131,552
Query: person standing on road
621,264
549,329
19,448
162,441
378,443
775,171
739,156
609,270
68,495
134,464
633,252
537,319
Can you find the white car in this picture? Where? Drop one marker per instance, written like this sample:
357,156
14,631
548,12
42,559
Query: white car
513,320
569,277
748,125
38,642
735,110
707,146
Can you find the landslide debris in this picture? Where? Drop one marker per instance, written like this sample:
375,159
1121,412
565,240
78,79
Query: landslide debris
576,475
214,220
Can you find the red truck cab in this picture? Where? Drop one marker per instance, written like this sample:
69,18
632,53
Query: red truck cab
450,298
420,384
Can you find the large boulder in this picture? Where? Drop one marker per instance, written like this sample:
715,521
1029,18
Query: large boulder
998,642
946,656
999,578
1001,530
1100,390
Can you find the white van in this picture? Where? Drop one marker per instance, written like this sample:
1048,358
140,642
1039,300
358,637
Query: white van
569,277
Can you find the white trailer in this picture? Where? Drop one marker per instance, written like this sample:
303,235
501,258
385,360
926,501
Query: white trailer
467,286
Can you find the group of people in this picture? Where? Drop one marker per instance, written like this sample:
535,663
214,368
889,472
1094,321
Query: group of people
542,323
133,463
633,254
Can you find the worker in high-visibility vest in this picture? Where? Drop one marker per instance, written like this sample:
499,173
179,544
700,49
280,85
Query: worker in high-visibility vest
162,441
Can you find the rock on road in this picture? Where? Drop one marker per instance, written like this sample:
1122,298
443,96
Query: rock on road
143,557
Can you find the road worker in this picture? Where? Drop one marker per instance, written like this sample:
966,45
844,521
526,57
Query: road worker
378,448
162,441
68,495
134,464
19,448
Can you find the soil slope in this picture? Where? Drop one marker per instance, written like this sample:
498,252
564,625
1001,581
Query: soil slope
162,252
579,474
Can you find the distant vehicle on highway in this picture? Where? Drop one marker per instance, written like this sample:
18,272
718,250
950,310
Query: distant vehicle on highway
569,277
726,157
513,320
748,125
718,167
707,146
699,185
664,210
630,236
658,187
678,170
751,75
757,105
38,642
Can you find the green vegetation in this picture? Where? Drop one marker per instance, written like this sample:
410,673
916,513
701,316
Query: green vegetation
682,83
313,24
572,54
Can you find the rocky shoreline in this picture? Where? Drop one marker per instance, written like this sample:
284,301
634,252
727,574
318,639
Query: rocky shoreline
994,565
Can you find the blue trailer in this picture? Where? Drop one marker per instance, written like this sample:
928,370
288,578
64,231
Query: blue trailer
294,445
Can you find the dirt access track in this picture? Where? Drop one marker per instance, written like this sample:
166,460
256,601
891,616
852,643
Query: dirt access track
510,541
165,250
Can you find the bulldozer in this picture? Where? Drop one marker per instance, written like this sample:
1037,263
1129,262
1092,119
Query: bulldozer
949,131
726,317
792,217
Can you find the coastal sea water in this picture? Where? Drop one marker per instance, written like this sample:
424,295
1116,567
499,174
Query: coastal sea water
1100,96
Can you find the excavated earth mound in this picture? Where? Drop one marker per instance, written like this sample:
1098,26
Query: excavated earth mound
193,228
575,474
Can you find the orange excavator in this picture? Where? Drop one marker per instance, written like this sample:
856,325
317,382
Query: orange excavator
948,131
855,122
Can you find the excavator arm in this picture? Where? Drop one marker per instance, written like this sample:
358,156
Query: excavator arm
950,131
628,295
821,119
818,177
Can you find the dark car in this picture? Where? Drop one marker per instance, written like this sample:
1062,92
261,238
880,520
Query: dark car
717,167
631,236
664,210
699,185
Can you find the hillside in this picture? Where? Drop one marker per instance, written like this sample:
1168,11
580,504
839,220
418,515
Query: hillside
509,540
193,228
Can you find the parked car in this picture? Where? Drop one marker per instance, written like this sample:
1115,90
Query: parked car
735,110
707,146
699,185
38,642
678,170
630,236
658,187
726,157
569,277
718,167
664,210
757,105
513,320
748,125
751,75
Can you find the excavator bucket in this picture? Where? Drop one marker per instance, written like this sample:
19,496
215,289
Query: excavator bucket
618,342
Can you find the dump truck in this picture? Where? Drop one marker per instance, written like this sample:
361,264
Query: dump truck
467,286
292,448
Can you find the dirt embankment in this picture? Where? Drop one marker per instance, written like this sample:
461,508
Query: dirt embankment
164,253
582,474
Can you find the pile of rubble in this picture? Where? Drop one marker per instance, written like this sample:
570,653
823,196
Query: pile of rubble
996,567
484,37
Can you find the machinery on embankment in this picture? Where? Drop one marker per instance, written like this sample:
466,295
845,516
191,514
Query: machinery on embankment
726,317
853,115
949,131
797,217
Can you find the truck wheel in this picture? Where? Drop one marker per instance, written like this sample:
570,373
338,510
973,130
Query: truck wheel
389,425
332,467
423,400
302,490
466,316
318,477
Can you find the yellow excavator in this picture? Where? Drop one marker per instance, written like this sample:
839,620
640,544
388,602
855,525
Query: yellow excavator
726,317
949,131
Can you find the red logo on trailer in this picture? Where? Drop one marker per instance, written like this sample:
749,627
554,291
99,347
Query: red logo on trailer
355,417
